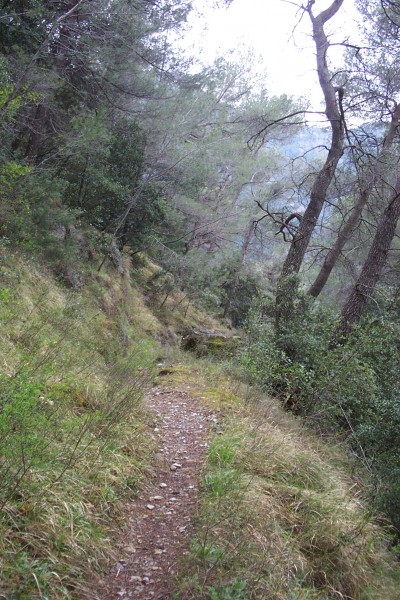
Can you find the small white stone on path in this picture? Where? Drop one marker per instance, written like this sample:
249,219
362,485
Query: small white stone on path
160,532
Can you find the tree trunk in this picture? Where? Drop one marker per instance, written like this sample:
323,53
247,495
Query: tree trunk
334,112
343,237
372,269
36,134
348,228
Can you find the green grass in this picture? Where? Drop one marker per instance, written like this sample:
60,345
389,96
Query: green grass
73,436
280,515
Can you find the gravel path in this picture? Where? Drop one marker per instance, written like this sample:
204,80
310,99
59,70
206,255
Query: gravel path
160,521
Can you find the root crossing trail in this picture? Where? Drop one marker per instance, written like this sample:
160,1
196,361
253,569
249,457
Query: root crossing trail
159,523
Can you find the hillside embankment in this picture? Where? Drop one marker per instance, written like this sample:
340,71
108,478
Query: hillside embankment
260,507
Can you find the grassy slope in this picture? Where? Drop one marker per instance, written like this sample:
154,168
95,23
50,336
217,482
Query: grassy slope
73,368
280,515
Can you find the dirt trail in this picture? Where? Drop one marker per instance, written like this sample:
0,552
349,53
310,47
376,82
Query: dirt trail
159,523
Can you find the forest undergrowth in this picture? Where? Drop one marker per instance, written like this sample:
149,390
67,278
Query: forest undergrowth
73,369
280,513
283,513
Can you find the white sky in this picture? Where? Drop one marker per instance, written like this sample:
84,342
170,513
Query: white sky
266,26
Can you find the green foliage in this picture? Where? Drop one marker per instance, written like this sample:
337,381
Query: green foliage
267,363
223,450
14,207
354,387
47,425
234,591
33,215
24,26
208,553
207,282
79,125
278,515
93,187
220,481
247,292
70,427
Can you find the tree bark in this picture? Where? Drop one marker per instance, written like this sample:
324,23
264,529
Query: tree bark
372,269
36,134
334,114
334,111
344,235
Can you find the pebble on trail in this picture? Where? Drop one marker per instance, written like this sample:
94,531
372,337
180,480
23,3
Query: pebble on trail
157,535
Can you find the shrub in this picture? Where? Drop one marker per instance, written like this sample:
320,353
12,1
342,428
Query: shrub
353,389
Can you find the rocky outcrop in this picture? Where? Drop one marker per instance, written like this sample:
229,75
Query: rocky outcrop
209,341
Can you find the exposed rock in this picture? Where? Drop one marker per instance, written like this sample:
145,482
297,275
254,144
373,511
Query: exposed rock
208,341
117,258
60,232
80,239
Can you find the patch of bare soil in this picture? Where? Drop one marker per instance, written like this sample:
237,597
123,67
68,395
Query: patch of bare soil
160,521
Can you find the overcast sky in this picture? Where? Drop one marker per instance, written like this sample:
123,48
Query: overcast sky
266,26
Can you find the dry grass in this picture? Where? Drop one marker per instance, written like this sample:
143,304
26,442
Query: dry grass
281,517
73,368
174,309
